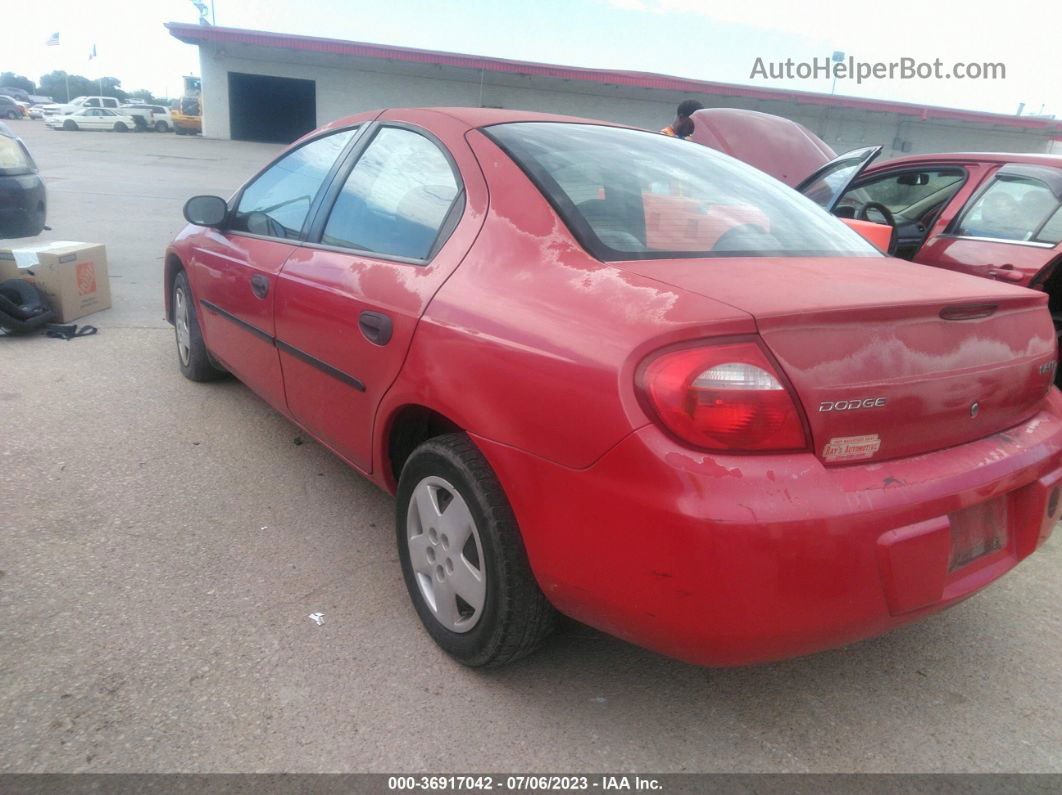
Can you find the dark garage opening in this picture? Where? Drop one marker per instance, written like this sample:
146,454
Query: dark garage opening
271,109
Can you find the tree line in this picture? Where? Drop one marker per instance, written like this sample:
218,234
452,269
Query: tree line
54,85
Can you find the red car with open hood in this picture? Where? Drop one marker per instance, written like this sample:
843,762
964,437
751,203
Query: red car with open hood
616,375
991,214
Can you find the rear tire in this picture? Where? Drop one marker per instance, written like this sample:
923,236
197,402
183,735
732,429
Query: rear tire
192,357
467,571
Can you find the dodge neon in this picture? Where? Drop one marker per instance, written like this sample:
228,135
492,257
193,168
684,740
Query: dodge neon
629,379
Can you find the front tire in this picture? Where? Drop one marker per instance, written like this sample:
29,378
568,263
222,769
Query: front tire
161,126
69,124
463,558
192,356
120,126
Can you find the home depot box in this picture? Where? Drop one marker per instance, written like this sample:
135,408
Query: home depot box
73,276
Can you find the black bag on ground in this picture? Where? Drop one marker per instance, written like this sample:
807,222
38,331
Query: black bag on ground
23,308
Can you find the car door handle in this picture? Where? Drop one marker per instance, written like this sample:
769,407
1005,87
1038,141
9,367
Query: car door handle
1005,272
259,285
376,327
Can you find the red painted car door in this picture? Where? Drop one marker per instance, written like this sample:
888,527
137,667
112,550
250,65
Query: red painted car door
397,221
236,270
232,278
1008,228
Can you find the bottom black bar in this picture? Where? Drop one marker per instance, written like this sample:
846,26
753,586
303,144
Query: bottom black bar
741,783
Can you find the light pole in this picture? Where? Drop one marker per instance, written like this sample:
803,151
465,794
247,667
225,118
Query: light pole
837,57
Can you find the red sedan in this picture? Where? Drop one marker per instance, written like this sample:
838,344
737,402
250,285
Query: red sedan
630,379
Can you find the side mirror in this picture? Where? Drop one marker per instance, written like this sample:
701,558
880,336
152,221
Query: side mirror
206,211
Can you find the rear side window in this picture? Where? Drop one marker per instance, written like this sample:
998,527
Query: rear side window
277,202
1014,208
629,194
396,199
1052,230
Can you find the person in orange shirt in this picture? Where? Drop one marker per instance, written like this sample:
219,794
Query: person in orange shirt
682,126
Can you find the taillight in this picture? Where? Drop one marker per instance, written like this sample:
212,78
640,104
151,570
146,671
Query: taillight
724,397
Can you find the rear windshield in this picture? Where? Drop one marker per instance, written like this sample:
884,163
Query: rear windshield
629,194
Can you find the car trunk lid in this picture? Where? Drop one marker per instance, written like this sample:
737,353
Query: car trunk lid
888,358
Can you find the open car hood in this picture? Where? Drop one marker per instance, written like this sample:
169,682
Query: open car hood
786,150
791,153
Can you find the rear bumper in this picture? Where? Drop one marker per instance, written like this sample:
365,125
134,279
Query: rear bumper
726,560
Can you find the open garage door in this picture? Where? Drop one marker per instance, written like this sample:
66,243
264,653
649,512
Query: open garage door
271,109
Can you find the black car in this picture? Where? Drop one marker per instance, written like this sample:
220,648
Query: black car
23,203
9,109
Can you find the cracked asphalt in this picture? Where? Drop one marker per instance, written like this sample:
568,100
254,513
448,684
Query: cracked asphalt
163,545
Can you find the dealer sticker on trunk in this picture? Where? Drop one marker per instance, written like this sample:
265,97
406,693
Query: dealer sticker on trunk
851,448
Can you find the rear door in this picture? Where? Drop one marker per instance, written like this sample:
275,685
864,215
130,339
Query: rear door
96,119
1008,230
400,217
235,270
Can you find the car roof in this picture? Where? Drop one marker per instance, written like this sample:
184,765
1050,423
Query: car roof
484,117
980,157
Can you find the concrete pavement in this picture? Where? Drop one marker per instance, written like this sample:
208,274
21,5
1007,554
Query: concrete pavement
163,543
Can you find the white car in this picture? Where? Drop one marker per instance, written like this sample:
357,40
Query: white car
92,119
154,117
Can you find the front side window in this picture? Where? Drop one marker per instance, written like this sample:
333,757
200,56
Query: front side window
628,194
1015,208
277,202
396,199
92,103
824,186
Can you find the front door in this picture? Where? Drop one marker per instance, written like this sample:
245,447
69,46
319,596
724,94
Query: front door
237,268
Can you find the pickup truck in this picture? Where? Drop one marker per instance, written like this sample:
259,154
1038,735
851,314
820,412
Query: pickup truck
74,105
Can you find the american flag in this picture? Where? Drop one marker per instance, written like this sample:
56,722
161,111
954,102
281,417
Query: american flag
53,40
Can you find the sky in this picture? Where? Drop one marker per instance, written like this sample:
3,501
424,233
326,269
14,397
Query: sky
697,39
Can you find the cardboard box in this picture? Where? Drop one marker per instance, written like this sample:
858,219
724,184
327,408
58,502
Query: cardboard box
73,276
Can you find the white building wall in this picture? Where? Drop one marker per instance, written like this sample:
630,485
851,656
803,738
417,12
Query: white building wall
351,86
345,91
